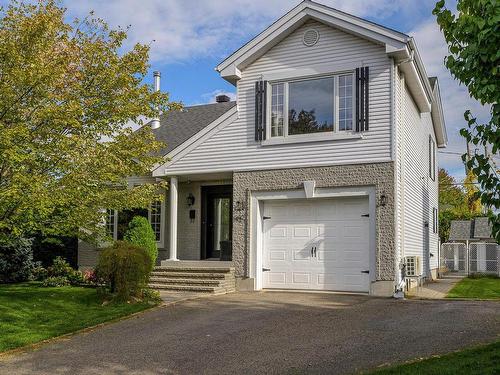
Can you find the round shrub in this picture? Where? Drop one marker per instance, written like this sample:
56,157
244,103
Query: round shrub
125,269
140,233
16,260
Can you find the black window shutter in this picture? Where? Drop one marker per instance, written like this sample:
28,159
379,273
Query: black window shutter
362,98
260,110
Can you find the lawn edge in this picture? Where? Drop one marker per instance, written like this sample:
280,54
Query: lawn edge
36,345
417,360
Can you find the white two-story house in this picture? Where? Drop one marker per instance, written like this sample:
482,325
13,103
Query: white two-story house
321,176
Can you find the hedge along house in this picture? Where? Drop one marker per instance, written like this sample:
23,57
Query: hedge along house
323,174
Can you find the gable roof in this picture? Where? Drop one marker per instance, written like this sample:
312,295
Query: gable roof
460,230
176,127
397,45
482,228
306,10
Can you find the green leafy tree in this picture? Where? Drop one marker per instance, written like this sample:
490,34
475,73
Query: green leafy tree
473,37
141,234
67,92
455,202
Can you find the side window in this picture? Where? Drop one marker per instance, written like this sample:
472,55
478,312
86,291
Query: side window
435,220
155,219
432,159
110,222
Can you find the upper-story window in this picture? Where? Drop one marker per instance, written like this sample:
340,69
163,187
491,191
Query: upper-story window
313,105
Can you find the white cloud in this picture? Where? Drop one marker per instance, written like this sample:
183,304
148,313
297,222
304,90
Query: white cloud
455,98
187,29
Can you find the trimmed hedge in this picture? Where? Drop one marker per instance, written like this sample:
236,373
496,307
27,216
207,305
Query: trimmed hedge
141,234
125,269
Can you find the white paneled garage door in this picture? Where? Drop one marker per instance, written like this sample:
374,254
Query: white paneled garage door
317,244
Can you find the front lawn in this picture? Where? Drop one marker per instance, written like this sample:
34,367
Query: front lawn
483,360
30,313
481,288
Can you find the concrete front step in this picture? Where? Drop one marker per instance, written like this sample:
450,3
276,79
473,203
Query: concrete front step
207,282
217,279
192,288
191,275
194,269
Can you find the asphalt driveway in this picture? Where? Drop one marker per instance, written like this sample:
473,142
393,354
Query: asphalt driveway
273,332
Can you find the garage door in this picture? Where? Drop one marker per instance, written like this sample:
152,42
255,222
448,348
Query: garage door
317,244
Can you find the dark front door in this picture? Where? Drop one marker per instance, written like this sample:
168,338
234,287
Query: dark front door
216,222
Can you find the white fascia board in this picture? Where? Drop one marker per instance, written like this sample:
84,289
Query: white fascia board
438,118
295,18
188,145
419,64
419,86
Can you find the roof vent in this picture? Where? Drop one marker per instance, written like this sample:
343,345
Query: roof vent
311,37
222,98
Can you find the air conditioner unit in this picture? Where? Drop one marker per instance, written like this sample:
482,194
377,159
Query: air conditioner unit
413,266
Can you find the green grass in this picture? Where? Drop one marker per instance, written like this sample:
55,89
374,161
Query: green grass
30,313
481,288
483,360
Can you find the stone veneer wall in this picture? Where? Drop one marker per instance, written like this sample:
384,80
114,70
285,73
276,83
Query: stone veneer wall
379,175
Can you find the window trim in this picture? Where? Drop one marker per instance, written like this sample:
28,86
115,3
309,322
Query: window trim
309,137
435,220
159,244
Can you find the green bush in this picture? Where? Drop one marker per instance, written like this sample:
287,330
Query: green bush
60,273
125,269
16,260
60,268
39,273
55,281
141,234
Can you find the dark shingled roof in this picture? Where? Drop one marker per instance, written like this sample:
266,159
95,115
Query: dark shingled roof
178,126
460,230
482,228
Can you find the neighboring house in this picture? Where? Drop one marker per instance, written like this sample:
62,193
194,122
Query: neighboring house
471,248
323,174
467,231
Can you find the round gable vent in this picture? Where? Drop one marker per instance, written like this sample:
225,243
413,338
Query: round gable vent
311,37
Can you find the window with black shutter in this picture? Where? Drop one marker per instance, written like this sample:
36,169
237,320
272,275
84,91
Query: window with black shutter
362,99
260,110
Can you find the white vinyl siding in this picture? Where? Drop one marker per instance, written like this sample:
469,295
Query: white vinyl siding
234,147
419,192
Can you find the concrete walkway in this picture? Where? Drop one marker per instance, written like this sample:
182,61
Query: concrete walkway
169,297
437,289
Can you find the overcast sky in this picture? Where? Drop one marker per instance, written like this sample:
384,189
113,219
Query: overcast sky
190,37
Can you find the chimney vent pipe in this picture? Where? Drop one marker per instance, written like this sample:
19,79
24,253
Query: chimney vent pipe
222,98
155,123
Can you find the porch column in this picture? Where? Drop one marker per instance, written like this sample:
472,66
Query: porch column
173,218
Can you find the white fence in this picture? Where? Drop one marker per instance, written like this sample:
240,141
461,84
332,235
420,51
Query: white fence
477,257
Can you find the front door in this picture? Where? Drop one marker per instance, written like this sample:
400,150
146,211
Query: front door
216,223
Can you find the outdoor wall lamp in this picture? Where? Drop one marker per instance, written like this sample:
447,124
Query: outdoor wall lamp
383,200
190,200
